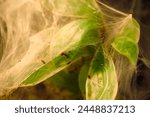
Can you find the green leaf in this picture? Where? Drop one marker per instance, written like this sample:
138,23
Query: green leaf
102,80
82,78
66,48
52,67
126,42
67,80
